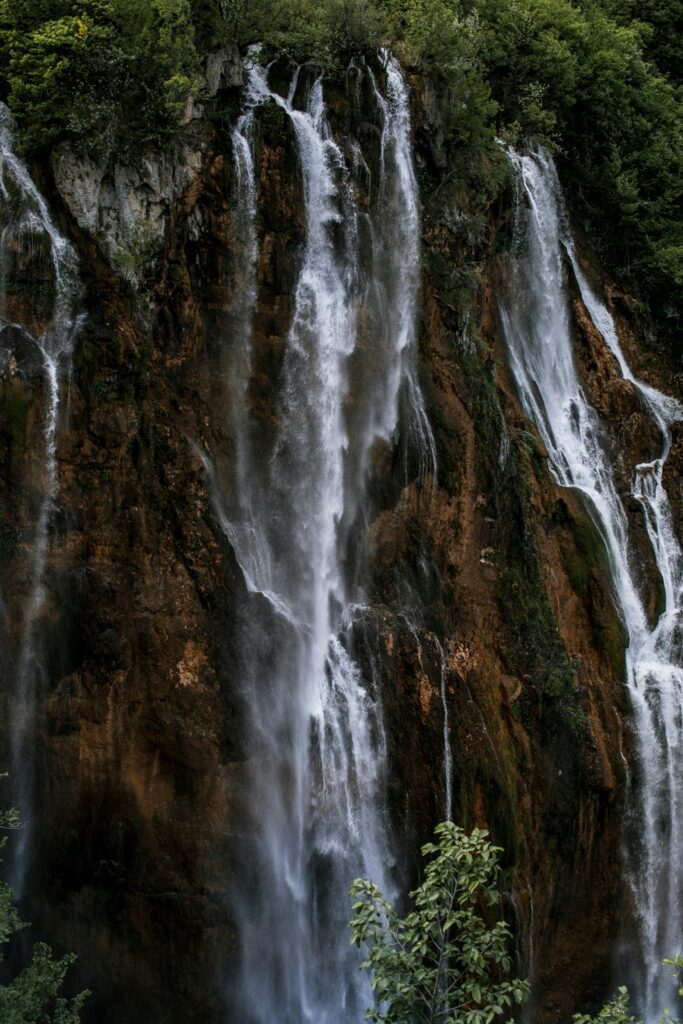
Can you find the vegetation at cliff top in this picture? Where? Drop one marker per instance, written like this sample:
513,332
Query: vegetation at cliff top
33,995
598,80
104,72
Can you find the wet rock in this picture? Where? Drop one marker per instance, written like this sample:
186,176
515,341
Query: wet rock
20,354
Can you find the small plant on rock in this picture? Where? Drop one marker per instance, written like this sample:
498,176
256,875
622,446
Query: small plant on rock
33,995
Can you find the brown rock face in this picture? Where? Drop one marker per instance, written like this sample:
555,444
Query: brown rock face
140,742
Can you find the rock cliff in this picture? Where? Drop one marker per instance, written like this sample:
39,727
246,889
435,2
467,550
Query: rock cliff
488,587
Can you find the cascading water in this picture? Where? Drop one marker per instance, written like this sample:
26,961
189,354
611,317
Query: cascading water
293,512
537,325
38,283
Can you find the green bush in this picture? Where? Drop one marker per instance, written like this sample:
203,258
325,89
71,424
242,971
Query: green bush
581,79
444,960
616,1011
32,996
613,1012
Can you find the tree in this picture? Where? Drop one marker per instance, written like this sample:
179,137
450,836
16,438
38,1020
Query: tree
112,74
32,996
443,962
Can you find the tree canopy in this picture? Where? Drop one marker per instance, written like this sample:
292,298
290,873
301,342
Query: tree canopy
599,81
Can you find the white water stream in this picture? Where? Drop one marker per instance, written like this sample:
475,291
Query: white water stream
296,510
27,232
538,329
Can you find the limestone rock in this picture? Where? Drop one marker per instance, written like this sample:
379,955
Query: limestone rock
224,68
125,206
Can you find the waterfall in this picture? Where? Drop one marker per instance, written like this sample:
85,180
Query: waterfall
537,326
38,328
294,508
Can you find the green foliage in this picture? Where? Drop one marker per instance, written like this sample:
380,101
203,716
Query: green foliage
32,996
675,965
616,1010
594,79
578,77
219,21
103,71
330,32
442,961
664,22
613,1012
138,254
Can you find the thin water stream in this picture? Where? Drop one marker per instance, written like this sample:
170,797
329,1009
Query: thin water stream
38,282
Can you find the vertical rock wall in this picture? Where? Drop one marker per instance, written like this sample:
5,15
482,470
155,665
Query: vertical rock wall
141,748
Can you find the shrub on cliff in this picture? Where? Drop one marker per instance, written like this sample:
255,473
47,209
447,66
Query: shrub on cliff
32,996
613,1012
445,960
616,1011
